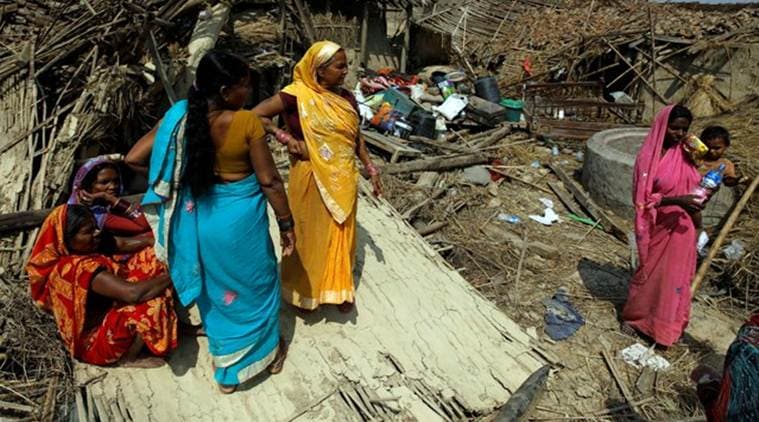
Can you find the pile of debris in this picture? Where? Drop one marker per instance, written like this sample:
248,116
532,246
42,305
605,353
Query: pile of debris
76,79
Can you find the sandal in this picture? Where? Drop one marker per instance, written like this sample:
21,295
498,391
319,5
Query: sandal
628,330
279,361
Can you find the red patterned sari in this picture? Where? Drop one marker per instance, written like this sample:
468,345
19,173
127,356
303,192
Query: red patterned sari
93,328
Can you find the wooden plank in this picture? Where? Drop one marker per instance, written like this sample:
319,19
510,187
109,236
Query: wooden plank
407,296
618,379
566,199
390,144
436,164
593,209
29,219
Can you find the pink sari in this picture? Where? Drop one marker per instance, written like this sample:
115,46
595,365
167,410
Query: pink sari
658,301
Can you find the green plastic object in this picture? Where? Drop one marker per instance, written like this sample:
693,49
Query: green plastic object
583,220
400,102
513,109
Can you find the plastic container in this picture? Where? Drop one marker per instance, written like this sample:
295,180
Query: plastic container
695,147
513,109
399,101
423,123
452,106
709,182
402,129
509,218
487,88
447,88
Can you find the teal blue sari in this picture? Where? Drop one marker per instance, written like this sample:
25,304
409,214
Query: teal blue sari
220,256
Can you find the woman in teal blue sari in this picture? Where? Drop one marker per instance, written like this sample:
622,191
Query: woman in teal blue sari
210,177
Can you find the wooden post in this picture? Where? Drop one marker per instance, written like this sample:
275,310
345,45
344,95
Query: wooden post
653,55
365,35
407,37
706,263
282,26
305,18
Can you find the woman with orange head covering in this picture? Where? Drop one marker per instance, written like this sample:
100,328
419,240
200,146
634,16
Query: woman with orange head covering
106,311
325,143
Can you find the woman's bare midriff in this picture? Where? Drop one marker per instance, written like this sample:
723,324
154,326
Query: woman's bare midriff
231,177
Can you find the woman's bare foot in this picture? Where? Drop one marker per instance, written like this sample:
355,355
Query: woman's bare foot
305,311
148,362
279,360
227,389
345,307
628,330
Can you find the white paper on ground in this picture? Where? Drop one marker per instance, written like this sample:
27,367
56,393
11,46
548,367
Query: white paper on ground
548,218
639,356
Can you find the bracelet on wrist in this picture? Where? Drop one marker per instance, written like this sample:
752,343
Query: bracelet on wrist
285,225
121,206
372,169
281,136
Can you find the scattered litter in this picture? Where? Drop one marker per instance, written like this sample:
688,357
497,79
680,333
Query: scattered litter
703,239
639,356
549,215
509,218
452,106
555,151
546,202
536,164
561,318
735,250
477,175
622,98
580,156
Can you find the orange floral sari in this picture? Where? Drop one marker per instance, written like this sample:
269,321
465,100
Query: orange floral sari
95,329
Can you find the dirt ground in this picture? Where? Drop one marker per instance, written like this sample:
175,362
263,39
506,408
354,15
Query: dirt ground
592,265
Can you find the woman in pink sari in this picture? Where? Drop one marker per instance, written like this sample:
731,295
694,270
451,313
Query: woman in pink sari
658,301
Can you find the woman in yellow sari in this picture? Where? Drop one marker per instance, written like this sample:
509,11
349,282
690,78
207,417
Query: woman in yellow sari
325,142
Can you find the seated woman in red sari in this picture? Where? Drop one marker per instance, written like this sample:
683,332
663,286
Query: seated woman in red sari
107,312
98,185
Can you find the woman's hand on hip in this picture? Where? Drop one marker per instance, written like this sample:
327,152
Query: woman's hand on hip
287,241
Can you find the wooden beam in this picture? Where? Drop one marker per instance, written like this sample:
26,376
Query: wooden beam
593,209
566,199
305,18
436,164
365,35
642,79
407,37
30,219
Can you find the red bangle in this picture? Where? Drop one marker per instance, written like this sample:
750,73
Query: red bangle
281,136
372,170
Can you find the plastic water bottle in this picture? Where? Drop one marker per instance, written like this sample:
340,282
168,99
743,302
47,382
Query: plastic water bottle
709,182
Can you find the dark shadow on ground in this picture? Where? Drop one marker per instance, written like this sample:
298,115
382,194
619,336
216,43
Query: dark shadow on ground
605,282
614,402
186,355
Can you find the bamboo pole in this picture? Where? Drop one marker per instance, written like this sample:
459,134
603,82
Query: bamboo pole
706,263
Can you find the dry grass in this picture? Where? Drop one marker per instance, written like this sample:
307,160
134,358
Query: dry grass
35,369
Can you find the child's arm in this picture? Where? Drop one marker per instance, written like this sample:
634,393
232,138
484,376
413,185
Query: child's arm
731,177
